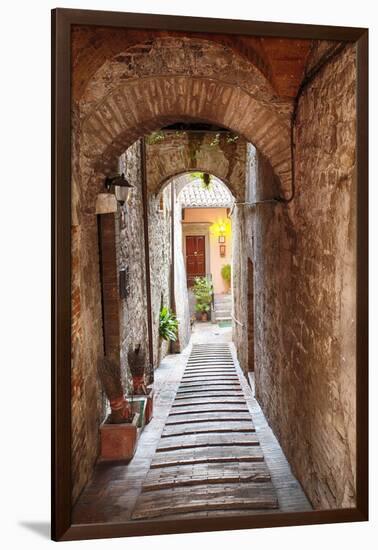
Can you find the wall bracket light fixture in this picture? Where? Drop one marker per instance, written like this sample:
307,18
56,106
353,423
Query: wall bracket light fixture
121,187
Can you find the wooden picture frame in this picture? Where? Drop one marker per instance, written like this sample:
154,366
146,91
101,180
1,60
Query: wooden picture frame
62,22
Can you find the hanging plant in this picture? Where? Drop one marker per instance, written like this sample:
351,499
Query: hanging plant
155,137
232,138
206,179
215,141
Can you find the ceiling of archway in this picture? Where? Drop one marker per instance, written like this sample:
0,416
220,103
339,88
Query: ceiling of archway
281,61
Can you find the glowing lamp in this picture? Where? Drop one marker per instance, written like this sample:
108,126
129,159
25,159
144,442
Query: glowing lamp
221,228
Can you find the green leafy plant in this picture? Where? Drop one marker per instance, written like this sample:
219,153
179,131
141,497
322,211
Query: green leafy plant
155,137
203,290
168,325
205,178
232,138
215,141
226,272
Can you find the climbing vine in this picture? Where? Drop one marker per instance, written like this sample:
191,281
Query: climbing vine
155,137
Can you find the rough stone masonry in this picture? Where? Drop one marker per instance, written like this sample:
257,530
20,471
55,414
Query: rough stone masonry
304,290
303,253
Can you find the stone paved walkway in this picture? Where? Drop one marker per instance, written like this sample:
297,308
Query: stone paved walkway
177,453
209,457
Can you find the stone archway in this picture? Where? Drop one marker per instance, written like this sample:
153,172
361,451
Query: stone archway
170,79
164,79
221,154
190,81
145,105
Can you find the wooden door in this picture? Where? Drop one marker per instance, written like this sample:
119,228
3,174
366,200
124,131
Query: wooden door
195,257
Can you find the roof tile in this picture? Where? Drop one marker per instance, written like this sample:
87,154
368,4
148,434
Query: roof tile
195,195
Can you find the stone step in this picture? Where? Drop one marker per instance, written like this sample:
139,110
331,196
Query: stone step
207,427
209,393
208,401
219,377
233,496
244,439
182,481
214,385
198,455
202,409
214,416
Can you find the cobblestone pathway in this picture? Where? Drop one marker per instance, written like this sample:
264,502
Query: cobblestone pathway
209,457
124,492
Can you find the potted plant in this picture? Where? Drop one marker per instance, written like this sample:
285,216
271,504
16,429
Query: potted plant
119,431
168,327
226,274
203,292
142,397
136,358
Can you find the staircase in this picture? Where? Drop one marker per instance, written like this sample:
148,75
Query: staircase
222,307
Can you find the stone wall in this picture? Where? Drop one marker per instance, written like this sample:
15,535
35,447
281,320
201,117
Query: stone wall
89,405
131,255
247,220
159,229
303,255
181,289
171,153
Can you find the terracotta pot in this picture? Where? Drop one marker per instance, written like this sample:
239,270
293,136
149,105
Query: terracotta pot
149,406
139,385
118,441
204,316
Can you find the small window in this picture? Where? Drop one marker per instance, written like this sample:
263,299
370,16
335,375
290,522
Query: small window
161,203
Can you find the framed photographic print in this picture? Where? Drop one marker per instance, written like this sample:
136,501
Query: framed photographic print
185,399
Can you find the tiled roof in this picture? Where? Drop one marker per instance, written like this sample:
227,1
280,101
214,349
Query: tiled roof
195,195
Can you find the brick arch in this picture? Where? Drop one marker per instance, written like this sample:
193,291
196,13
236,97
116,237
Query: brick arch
93,46
184,56
142,105
179,153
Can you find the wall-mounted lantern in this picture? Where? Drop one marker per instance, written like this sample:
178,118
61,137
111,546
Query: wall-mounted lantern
221,228
121,187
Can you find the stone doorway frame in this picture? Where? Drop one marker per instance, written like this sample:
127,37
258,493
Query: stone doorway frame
197,229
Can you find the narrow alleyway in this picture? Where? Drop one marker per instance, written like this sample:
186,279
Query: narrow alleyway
207,451
196,155
209,457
